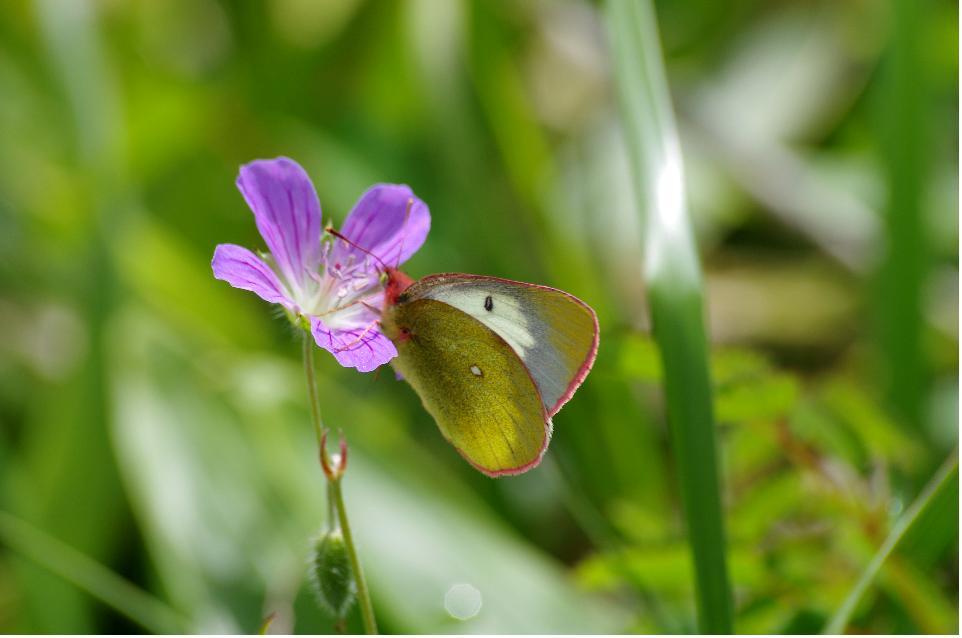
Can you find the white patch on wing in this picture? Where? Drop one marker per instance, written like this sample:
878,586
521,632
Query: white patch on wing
506,316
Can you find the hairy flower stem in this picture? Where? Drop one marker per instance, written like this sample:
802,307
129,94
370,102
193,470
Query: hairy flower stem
363,596
308,351
335,495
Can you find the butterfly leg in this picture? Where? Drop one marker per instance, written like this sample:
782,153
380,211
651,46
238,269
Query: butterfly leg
360,338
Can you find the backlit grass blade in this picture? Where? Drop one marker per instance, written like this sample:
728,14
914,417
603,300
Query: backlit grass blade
150,613
674,283
948,473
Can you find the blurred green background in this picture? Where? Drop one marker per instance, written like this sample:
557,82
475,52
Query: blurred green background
155,420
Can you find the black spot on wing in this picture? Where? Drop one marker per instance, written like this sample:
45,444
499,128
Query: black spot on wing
488,303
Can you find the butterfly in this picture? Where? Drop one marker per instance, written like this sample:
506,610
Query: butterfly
493,360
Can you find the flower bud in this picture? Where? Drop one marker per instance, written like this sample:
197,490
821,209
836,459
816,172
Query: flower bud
334,471
331,574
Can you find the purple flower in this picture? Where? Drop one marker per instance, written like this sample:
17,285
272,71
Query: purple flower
334,286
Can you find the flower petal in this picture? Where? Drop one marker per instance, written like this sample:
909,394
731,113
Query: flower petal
287,213
380,223
364,347
243,269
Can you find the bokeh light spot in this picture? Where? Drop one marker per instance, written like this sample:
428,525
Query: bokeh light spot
463,601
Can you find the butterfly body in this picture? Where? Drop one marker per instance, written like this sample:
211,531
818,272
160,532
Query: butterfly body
492,360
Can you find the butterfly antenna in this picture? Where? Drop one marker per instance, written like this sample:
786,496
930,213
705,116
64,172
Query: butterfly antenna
404,233
361,248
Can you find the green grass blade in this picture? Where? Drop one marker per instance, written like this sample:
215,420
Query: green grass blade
673,276
90,576
948,473
904,152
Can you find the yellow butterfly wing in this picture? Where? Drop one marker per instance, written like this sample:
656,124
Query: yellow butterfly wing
492,361
554,333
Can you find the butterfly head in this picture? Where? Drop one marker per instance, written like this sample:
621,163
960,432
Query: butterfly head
396,282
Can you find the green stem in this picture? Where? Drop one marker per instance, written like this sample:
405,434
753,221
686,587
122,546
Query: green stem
363,596
840,620
331,511
150,613
308,350
336,497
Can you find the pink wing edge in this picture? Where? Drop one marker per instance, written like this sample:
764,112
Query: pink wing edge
521,469
576,382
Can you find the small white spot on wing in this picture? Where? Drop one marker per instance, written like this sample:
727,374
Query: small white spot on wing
476,371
